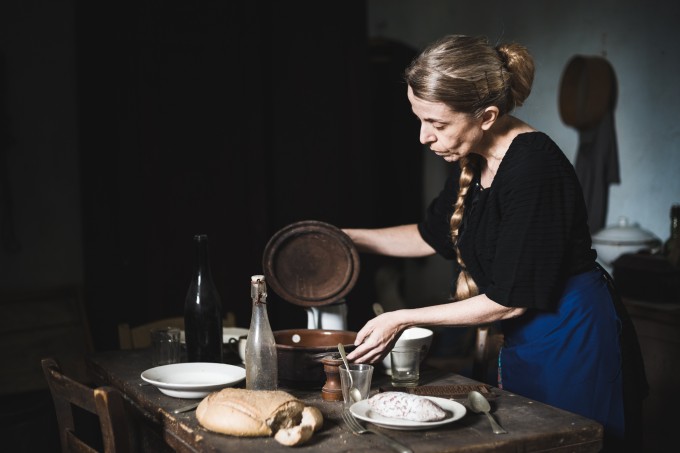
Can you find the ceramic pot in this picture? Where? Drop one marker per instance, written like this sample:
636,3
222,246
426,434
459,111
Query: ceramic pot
300,351
624,237
333,316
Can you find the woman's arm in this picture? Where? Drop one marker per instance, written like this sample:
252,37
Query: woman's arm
380,333
400,241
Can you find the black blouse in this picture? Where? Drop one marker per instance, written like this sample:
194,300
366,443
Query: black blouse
525,235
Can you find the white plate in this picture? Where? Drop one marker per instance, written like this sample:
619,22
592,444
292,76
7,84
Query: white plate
193,380
362,411
227,334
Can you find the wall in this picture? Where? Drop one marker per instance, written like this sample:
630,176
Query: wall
638,38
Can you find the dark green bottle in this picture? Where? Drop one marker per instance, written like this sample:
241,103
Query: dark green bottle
671,247
203,310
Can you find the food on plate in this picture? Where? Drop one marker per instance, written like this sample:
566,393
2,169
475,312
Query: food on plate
406,406
252,413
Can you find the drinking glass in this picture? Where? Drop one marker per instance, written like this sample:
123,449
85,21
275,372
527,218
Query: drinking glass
405,367
165,346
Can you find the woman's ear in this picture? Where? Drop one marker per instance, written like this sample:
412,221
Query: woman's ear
489,116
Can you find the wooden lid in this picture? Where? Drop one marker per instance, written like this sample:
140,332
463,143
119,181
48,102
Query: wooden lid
311,263
588,90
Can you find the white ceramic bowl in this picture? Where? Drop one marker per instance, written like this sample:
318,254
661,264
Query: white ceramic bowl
413,337
193,379
624,237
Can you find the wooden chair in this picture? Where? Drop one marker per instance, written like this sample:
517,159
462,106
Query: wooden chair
104,402
138,337
488,342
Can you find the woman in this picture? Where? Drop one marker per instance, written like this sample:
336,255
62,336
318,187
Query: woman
513,217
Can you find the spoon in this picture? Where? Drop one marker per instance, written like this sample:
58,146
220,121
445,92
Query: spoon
480,404
354,392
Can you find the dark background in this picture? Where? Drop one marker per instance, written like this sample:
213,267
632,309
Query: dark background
231,119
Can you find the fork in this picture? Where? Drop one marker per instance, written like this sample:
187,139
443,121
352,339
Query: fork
358,428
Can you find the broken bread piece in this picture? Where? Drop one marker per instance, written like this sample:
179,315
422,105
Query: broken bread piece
312,416
406,406
312,420
294,436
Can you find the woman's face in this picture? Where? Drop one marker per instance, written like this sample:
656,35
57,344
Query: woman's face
449,134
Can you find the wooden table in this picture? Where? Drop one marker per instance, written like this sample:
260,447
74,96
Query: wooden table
531,426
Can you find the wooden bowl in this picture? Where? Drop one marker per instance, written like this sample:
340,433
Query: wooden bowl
300,352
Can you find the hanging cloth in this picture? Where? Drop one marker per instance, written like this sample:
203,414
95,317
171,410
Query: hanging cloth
588,94
597,167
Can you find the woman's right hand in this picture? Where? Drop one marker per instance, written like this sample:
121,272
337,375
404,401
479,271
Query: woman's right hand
377,338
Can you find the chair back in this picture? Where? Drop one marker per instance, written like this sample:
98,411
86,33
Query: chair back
104,402
139,336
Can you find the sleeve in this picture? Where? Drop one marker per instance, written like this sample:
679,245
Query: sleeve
435,229
537,201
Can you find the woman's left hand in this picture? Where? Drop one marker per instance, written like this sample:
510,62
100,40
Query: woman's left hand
376,338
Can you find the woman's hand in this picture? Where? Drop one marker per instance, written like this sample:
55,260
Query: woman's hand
376,338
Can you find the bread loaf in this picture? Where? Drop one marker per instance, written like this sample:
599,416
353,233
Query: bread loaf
406,406
249,413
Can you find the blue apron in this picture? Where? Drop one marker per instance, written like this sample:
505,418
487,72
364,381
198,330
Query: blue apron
570,358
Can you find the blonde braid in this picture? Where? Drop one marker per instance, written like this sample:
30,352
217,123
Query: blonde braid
465,286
